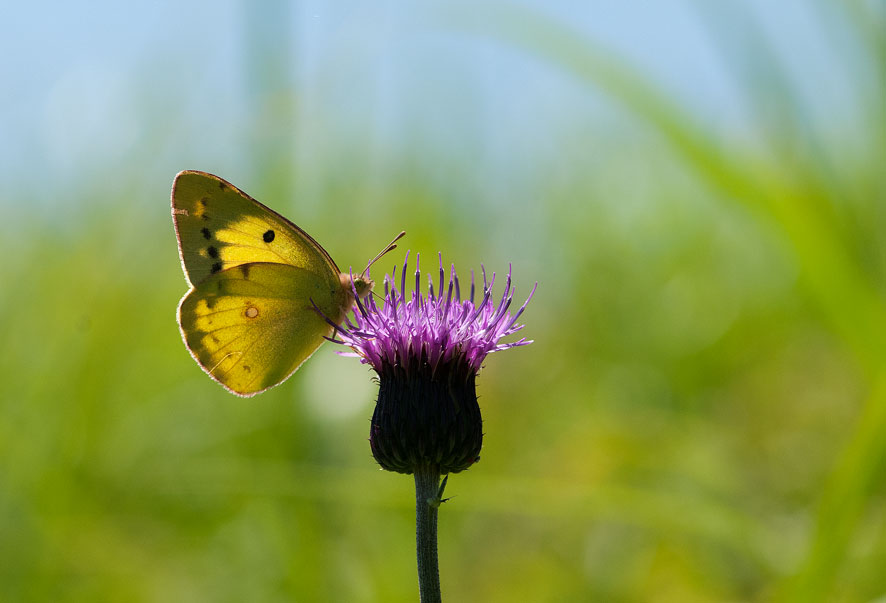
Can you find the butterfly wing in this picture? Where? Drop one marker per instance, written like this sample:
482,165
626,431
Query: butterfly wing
218,226
253,325
249,319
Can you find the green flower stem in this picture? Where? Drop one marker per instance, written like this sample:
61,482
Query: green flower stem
427,500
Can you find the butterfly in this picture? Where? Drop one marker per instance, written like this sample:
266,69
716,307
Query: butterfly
262,291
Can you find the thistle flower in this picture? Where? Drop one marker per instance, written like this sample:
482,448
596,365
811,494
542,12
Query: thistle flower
427,350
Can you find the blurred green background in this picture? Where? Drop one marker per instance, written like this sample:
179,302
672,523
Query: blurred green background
698,189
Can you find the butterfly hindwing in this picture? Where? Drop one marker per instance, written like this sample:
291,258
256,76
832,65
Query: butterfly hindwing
219,226
253,325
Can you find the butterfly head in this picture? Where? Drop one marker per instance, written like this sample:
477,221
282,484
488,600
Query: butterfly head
362,284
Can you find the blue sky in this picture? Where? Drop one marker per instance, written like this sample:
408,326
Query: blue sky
86,86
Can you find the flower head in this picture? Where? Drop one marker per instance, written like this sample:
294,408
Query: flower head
427,350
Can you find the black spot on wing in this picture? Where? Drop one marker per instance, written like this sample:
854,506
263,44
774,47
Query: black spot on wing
212,250
216,267
206,234
247,368
244,268
268,236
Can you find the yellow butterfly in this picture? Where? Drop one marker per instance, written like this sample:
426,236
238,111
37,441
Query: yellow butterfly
257,282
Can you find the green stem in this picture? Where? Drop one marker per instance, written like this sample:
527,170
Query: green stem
427,480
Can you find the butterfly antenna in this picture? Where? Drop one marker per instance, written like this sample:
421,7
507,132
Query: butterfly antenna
389,247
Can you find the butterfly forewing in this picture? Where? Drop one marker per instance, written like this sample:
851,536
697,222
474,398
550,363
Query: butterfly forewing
219,226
